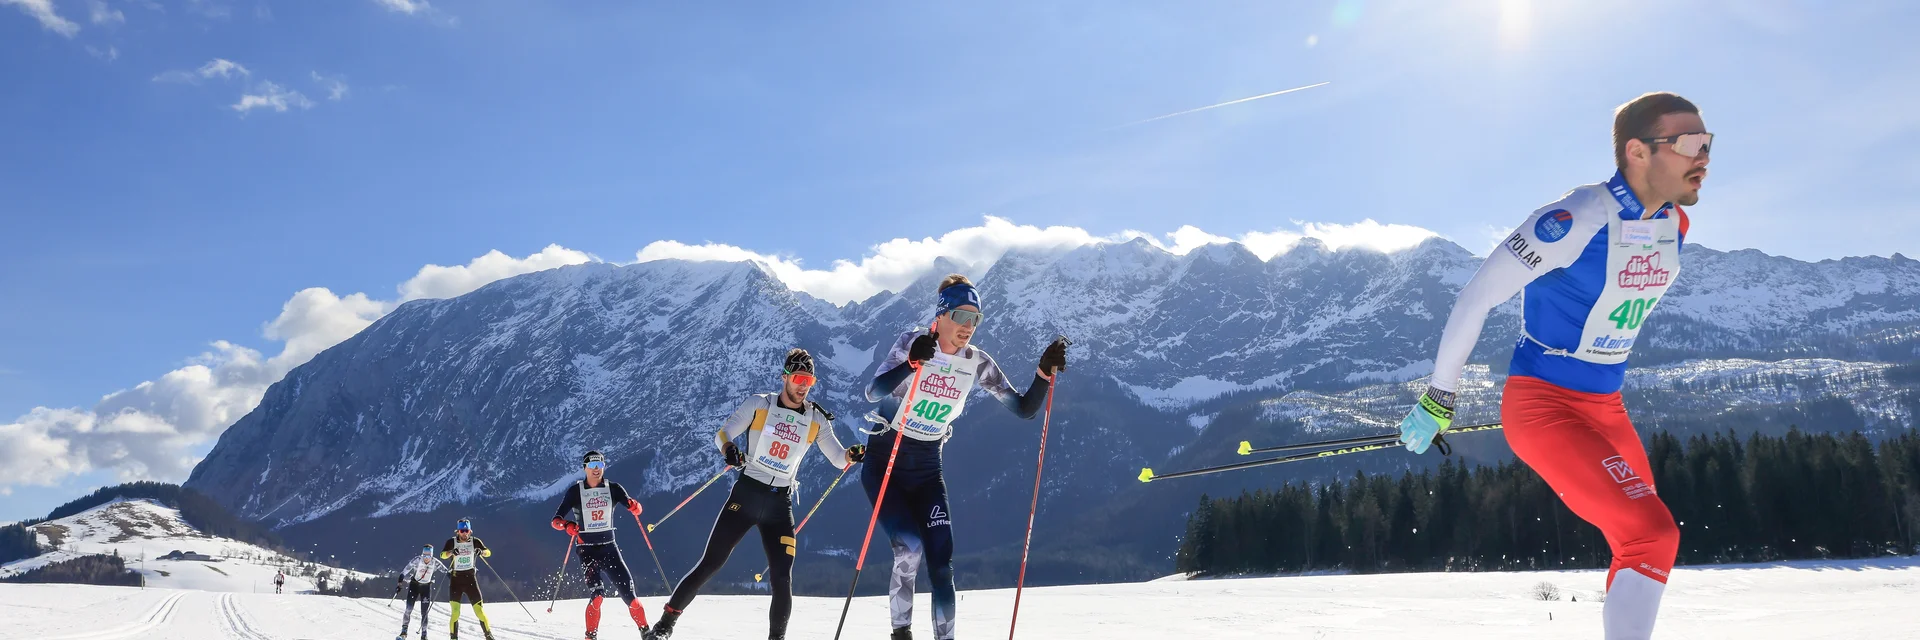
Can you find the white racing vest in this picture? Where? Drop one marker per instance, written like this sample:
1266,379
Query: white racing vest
463,555
423,569
945,382
1643,259
778,440
596,508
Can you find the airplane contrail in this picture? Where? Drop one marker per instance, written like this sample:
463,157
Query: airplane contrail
1223,104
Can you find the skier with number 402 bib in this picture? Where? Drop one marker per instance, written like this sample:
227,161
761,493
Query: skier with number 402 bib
915,512
1590,267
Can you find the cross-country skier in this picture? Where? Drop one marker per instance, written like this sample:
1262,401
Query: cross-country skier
1592,265
417,580
464,579
779,427
279,580
915,513
592,502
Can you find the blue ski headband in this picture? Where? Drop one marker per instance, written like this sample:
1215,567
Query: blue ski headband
958,295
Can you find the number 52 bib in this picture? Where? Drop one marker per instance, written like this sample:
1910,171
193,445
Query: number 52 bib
945,382
1643,259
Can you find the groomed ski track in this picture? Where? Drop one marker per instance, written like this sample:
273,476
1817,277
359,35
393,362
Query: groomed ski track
1838,599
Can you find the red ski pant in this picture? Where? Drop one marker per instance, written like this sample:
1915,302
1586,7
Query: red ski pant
1585,448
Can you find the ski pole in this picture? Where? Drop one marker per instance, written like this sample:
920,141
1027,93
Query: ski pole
1247,448
816,507
650,551
892,457
557,578
1027,546
1147,475
696,492
503,583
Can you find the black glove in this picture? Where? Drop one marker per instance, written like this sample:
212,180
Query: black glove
856,453
923,347
1054,359
733,455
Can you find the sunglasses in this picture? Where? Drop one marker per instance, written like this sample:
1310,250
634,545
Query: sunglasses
803,379
597,465
966,318
1687,144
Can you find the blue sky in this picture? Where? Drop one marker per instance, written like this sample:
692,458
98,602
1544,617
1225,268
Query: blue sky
143,216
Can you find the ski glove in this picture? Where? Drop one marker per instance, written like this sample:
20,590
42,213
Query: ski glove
856,453
562,524
1432,415
923,347
733,455
1054,359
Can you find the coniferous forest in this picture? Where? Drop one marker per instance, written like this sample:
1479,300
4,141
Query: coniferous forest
1764,498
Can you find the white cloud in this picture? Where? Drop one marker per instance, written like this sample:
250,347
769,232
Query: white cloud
110,54
217,67
896,263
891,265
100,13
408,7
435,281
268,95
336,85
42,10
153,430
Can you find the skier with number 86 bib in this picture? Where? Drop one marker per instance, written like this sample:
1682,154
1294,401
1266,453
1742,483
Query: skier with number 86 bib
915,512
1590,268
779,428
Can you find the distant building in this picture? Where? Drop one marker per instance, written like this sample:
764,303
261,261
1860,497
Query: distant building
186,555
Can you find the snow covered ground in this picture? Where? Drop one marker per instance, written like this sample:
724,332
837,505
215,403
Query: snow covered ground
1851,599
141,531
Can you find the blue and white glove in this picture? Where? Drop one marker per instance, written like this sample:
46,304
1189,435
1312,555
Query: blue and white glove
1432,415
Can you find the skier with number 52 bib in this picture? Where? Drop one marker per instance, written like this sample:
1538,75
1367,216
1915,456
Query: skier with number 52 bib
593,501
1592,266
779,428
915,512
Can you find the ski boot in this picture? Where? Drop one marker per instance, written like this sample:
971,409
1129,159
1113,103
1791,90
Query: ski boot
663,628
903,633
593,635
453,632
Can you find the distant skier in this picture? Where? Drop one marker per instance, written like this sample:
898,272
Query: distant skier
279,580
417,580
1592,266
916,514
464,580
779,427
592,502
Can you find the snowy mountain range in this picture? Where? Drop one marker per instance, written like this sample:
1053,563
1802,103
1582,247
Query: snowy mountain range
484,402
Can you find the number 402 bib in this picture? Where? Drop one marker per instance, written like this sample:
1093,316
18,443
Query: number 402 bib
945,382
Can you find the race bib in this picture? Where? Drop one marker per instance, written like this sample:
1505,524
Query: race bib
596,508
945,382
779,442
1643,260
463,556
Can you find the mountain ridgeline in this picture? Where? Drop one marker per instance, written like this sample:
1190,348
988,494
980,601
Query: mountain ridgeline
480,405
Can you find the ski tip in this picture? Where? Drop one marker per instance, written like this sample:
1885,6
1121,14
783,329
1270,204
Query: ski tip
1246,447
1146,475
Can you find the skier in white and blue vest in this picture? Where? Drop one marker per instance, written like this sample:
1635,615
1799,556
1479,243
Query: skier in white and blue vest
916,514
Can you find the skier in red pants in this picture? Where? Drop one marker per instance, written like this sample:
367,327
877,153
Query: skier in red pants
1592,265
